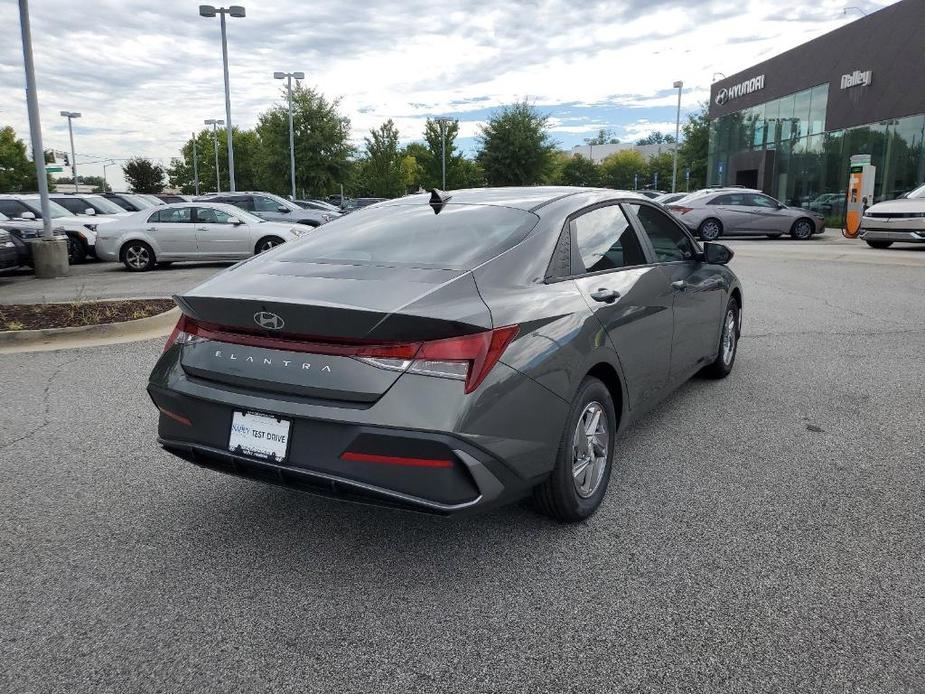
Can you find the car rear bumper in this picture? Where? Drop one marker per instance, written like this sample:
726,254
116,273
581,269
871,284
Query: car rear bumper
424,445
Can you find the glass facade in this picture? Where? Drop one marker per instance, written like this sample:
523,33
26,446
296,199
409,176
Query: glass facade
782,148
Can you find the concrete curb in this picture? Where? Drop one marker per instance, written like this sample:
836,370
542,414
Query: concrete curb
48,339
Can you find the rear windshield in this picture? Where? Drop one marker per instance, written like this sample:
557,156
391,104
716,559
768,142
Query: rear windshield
460,237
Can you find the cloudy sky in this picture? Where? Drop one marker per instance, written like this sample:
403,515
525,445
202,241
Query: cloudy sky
145,74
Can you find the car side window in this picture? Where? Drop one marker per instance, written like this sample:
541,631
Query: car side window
209,215
154,218
761,201
262,204
176,215
12,208
670,243
721,200
606,241
72,204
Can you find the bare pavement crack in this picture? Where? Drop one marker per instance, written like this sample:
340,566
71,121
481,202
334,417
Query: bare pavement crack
46,405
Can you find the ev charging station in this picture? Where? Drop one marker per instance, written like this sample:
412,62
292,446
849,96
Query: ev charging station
860,194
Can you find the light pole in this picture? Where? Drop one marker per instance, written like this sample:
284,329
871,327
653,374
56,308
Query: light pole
679,85
288,77
105,181
195,167
218,179
70,115
234,11
442,122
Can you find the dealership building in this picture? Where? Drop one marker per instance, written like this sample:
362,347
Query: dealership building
790,125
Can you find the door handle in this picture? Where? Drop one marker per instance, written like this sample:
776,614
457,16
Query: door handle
151,229
607,296
201,229
679,286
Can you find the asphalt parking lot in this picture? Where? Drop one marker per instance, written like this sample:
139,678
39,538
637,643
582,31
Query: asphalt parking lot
761,533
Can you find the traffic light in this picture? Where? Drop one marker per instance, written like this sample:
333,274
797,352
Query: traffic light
66,161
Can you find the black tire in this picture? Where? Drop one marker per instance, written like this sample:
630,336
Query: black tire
802,229
137,256
879,244
558,496
722,365
710,229
76,250
266,243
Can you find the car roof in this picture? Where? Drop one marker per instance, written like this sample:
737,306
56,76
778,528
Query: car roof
527,198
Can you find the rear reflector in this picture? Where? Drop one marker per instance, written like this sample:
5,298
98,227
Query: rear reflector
467,358
175,417
394,460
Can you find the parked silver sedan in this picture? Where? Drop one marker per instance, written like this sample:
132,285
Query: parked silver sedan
743,212
190,231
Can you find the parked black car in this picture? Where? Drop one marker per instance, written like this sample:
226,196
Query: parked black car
8,254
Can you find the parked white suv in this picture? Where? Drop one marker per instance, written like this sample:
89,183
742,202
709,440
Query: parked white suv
900,220
81,231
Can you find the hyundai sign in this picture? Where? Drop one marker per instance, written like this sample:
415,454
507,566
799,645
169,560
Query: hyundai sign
727,94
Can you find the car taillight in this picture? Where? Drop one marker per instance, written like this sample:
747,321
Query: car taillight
466,358
182,333
679,209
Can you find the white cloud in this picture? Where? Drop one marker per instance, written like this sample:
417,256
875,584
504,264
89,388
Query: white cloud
145,78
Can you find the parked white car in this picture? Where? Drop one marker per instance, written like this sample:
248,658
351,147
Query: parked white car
81,231
900,220
190,231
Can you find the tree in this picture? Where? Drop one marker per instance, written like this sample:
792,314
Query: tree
656,138
247,162
382,174
143,175
17,171
623,169
658,171
694,147
604,136
515,146
580,171
322,144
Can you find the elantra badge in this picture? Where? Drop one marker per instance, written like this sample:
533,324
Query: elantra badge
269,321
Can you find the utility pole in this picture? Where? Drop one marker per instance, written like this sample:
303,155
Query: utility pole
70,115
48,254
679,85
288,77
195,167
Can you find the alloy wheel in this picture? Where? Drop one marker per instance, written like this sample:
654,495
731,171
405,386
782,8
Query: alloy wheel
589,449
267,245
729,337
710,230
802,230
138,257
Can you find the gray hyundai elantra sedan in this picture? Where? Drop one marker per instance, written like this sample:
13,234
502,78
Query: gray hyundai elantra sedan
448,352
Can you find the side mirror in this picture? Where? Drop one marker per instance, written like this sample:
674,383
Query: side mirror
282,209
90,211
235,221
27,215
716,253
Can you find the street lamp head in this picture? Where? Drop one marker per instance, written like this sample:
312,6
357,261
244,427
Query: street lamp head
236,11
298,75
210,121
70,114
206,11
220,121
678,84
279,75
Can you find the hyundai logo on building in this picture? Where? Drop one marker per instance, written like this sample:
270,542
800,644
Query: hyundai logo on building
858,78
269,321
727,94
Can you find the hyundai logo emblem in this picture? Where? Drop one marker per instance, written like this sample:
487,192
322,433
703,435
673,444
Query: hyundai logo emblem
722,96
268,320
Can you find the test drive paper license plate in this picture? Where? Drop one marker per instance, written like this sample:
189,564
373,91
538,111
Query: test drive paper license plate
259,436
